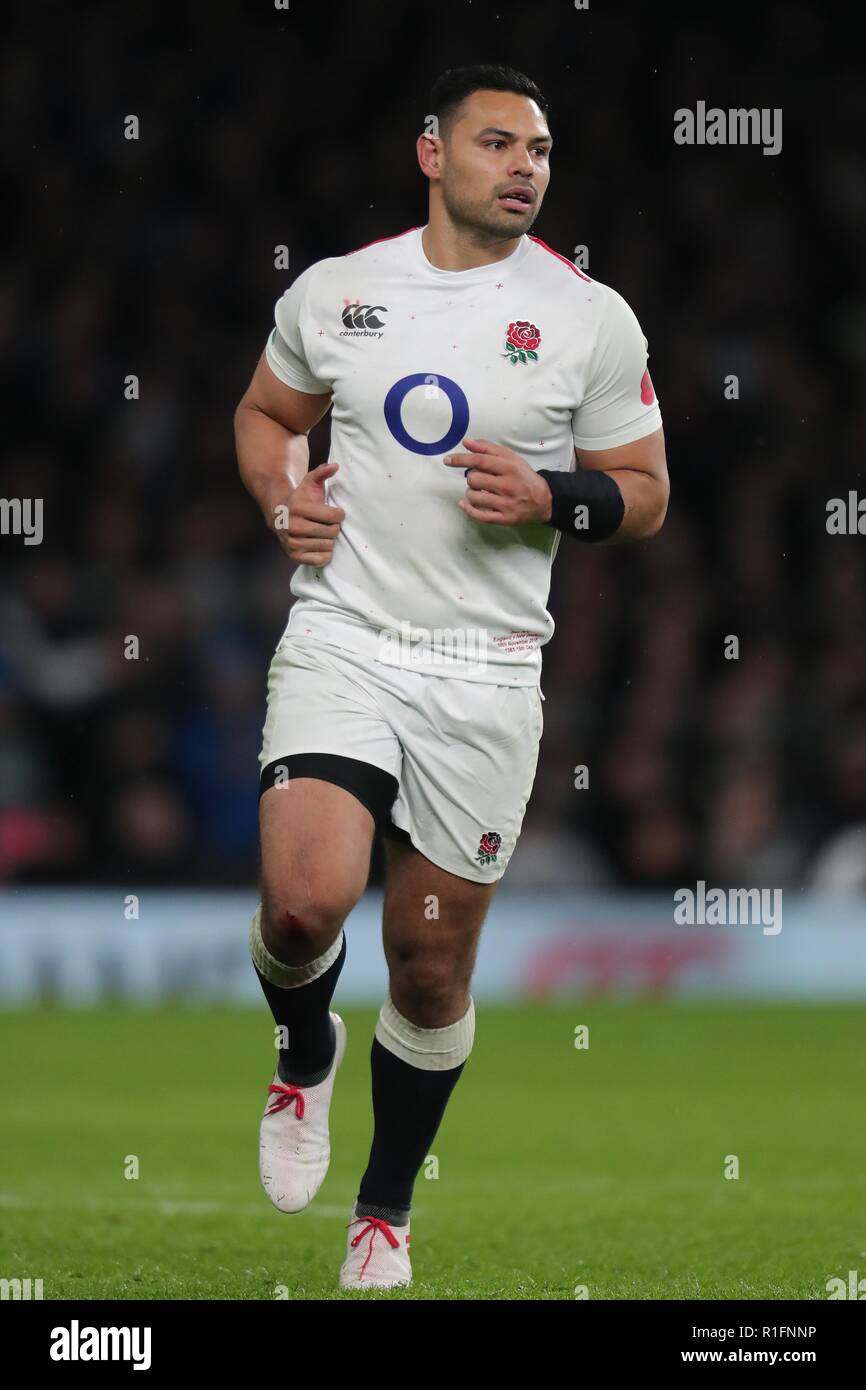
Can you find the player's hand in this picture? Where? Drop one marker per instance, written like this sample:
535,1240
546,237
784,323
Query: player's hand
313,524
501,486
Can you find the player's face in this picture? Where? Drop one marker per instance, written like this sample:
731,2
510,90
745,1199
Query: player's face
496,164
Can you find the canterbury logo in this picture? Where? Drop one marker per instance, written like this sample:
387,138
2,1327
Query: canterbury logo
363,315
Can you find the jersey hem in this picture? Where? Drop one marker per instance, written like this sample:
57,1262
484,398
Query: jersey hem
334,629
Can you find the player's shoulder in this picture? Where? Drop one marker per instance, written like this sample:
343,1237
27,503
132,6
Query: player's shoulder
556,268
384,248
321,273
388,247
315,274
569,288
574,287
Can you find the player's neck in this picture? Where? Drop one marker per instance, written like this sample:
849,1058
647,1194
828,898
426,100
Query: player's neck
447,248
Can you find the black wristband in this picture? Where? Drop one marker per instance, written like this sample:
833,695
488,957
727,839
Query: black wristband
586,504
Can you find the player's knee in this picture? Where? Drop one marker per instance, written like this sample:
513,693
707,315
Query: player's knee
427,989
302,930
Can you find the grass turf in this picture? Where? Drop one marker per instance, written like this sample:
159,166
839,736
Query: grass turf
557,1167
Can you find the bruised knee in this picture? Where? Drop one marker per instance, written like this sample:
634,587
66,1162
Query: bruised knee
297,931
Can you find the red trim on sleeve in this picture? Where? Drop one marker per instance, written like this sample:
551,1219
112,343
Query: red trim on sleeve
564,259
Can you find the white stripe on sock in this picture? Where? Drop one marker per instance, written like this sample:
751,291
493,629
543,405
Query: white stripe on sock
429,1049
287,976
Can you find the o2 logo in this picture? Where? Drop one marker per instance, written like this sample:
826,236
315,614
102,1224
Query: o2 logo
459,413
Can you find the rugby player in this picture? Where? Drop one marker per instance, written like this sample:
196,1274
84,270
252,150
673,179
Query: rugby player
486,397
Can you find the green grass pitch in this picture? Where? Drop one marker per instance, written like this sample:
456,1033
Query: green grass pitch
557,1167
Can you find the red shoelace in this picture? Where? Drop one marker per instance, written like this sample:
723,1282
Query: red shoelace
287,1094
373,1225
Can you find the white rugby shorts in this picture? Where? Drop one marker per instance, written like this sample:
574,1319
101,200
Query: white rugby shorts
456,758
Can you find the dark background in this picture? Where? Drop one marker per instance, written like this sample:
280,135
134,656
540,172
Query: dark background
156,257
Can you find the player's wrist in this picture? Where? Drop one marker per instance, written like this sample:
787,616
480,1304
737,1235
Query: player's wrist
586,504
543,498
276,505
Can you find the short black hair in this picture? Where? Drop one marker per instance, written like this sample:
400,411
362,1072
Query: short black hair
456,84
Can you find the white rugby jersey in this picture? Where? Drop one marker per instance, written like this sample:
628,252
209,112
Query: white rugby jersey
528,352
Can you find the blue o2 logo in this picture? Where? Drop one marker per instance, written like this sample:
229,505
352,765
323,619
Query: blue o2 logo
459,413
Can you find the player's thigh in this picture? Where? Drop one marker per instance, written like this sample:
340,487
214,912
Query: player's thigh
316,842
328,771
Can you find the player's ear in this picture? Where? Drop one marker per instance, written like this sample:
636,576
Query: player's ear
428,148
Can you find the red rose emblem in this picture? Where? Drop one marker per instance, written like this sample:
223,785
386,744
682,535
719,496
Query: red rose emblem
523,334
489,843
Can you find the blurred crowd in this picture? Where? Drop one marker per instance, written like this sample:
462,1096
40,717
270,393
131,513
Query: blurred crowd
155,257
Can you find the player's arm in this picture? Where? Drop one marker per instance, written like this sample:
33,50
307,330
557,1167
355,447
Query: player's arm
616,495
640,473
619,489
272,422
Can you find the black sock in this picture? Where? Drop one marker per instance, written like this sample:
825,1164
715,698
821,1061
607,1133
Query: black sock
305,1012
408,1105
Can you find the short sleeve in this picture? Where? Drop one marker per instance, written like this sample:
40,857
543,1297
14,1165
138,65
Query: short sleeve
285,351
620,403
